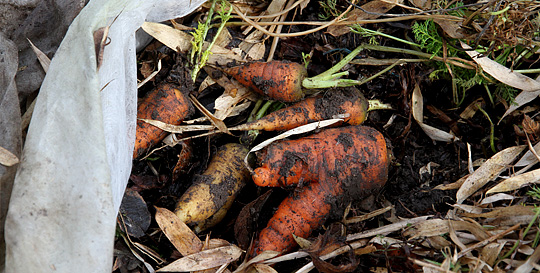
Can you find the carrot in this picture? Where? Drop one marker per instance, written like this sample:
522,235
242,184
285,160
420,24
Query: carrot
165,103
276,79
342,164
215,189
288,82
350,102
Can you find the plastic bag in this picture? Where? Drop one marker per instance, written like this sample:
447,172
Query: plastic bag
77,156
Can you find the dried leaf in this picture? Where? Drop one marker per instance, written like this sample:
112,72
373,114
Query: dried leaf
502,73
377,7
516,182
512,211
204,260
418,114
435,227
521,99
178,129
264,268
7,158
42,58
257,259
180,235
171,37
490,253
247,217
220,125
529,157
496,198
488,171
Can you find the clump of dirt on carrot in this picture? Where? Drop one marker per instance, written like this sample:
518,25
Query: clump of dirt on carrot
345,101
165,103
334,167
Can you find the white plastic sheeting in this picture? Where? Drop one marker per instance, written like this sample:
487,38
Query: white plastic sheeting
77,156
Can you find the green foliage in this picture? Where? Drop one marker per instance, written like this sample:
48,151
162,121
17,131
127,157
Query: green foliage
198,57
306,58
329,9
427,36
506,92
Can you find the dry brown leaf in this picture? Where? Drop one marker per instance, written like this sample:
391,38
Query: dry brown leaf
436,227
451,28
257,259
180,41
515,210
490,253
472,108
180,235
422,4
502,73
418,114
7,158
516,182
529,157
497,197
452,186
376,6
178,129
508,77
220,125
487,172
253,45
521,99
42,58
204,260
264,268
171,37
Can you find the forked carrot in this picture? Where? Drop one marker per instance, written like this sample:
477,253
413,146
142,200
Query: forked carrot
334,166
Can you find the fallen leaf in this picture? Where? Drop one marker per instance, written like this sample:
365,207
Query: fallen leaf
508,77
7,158
264,268
204,260
516,182
487,172
42,58
418,114
180,235
502,73
380,7
171,37
497,197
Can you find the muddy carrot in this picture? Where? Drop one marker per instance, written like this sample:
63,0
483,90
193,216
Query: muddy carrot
348,102
165,103
334,166
215,189
288,82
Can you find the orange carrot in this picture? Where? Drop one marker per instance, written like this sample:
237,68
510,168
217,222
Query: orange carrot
278,80
165,103
349,102
287,82
342,164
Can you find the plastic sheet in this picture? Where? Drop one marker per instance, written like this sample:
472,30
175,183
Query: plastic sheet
77,156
